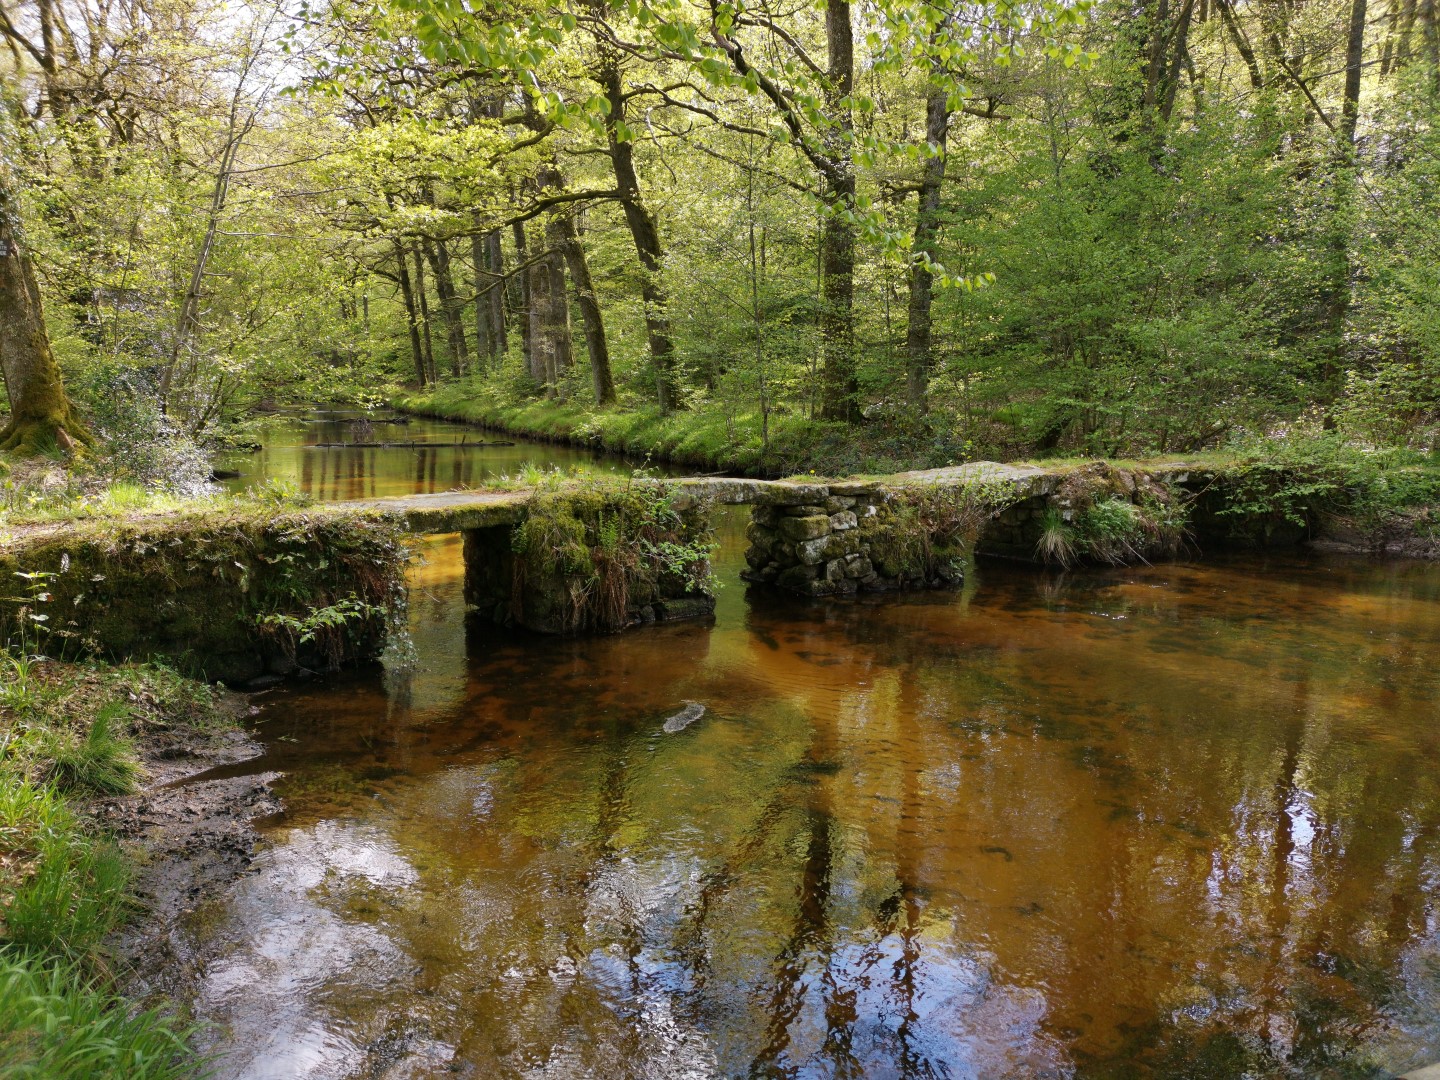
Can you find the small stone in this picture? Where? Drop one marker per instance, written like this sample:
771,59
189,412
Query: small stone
870,510
835,571
845,519
806,510
859,567
805,528
835,503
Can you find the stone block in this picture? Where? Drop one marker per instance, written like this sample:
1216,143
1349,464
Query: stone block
858,567
835,571
835,503
812,552
798,578
843,520
806,510
684,607
805,528
765,516
855,488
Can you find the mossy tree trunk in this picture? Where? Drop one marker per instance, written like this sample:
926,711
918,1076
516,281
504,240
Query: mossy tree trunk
40,411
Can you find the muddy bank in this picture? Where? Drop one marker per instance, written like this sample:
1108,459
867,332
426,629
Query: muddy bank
189,832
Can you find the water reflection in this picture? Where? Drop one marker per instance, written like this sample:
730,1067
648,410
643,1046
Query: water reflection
316,453
1168,821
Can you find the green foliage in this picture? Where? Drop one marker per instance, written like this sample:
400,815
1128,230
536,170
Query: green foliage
1296,479
1058,544
1108,515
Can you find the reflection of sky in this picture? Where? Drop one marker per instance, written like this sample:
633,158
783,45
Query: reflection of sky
1005,833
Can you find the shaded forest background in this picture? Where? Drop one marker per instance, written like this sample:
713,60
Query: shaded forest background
970,231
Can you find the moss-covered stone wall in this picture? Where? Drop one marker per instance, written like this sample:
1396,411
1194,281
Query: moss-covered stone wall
852,537
601,558
232,597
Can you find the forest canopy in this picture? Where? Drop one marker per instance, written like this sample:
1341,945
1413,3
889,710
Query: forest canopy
1001,230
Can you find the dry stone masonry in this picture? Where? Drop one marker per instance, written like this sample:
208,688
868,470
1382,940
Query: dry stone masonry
840,540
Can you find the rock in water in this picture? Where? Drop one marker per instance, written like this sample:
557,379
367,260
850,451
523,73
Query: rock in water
692,711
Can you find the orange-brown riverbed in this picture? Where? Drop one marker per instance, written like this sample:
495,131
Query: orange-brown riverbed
1172,821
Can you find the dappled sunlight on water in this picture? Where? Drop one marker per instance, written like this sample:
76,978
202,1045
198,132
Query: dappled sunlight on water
1164,821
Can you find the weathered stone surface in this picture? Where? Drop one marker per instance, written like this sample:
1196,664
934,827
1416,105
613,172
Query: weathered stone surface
805,510
854,487
845,519
835,503
805,528
796,577
835,571
812,552
684,607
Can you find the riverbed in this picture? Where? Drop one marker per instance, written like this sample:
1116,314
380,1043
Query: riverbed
1174,821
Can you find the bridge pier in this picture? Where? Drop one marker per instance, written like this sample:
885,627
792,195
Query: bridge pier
602,558
855,537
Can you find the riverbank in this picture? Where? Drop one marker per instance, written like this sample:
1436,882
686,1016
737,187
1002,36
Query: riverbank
101,847
710,439
1307,486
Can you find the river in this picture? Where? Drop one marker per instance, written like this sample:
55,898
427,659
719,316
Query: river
1173,821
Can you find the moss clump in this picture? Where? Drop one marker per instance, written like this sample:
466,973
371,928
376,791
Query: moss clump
925,534
598,558
1100,513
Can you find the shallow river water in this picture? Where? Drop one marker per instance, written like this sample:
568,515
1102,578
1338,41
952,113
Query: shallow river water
1171,821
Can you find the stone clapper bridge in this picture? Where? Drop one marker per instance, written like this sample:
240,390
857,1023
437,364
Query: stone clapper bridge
240,594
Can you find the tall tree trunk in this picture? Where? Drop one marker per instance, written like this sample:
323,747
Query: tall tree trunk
495,263
452,310
412,316
918,360
40,410
1337,298
646,236
837,235
1354,67
601,379
521,297
423,302
483,330
549,317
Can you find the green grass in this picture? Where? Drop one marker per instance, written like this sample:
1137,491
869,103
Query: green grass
101,761
66,733
707,439
56,1023
24,503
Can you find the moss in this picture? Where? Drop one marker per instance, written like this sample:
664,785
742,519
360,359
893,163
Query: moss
925,534
704,438
220,595
594,559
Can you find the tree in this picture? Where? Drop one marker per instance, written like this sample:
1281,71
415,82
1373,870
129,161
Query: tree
40,411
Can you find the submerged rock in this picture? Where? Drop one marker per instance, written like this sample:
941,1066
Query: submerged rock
685,717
